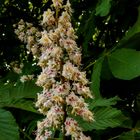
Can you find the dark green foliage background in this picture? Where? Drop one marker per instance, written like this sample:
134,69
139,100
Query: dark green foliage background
109,33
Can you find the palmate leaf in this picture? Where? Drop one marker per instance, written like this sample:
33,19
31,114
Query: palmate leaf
107,117
102,102
8,126
124,63
20,90
104,117
23,104
26,90
20,96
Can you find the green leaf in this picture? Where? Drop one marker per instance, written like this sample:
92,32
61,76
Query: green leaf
8,126
130,135
16,96
101,102
31,127
107,117
125,64
104,117
26,90
106,72
135,28
88,31
95,77
23,104
20,90
133,134
131,39
103,8
132,43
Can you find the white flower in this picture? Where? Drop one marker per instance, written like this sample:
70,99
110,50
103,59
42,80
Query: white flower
82,90
50,54
75,57
75,101
61,89
72,127
64,18
74,130
68,7
30,40
45,40
79,107
70,33
72,73
69,44
48,17
55,115
43,131
69,71
25,78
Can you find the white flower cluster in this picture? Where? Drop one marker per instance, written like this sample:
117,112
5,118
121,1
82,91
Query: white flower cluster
64,85
29,34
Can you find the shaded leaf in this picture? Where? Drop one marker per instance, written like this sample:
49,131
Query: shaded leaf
135,28
1,2
103,8
132,43
88,31
106,72
95,78
127,136
8,126
131,39
125,64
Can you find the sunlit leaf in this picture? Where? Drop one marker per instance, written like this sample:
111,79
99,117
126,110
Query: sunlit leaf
21,96
104,117
103,102
124,63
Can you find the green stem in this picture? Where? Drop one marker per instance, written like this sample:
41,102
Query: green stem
114,137
56,16
89,65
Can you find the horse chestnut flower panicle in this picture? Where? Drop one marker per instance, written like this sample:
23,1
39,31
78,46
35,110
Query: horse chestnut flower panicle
65,87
